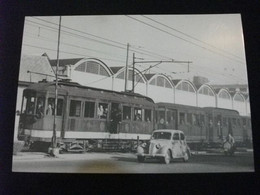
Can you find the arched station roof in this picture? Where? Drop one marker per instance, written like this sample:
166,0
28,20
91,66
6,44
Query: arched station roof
120,69
96,62
237,96
151,77
203,86
223,90
179,82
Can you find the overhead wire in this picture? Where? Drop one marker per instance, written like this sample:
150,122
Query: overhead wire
182,38
194,38
152,53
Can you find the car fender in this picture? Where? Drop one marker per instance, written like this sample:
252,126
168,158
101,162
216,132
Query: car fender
164,150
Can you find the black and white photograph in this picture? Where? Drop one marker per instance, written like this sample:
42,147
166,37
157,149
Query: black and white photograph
133,94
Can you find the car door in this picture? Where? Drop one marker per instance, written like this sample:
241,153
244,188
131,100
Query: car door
176,145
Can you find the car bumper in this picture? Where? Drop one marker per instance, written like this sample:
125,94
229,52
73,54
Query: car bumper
151,155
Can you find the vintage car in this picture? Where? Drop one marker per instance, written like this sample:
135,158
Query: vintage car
166,144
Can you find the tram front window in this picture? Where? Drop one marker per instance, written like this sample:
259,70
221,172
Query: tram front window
28,104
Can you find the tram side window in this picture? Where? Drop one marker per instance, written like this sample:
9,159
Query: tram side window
182,118
225,122
126,113
244,121
189,118
202,120
138,114
40,106
147,115
170,117
161,116
89,109
102,110
29,102
238,122
234,121
50,109
75,108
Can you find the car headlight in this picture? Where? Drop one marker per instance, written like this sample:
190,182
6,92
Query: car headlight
158,146
144,145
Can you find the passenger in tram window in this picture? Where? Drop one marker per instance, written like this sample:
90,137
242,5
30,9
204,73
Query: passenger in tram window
49,110
39,111
138,117
100,111
104,116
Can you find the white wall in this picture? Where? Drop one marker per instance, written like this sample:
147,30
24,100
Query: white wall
185,98
206,100
92,80
160,94
224,103
240,107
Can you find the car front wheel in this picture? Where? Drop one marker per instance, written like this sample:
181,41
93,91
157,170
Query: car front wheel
186,157
167,157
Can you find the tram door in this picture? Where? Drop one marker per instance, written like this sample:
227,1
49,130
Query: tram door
115,114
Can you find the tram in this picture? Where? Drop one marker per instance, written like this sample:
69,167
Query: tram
87,117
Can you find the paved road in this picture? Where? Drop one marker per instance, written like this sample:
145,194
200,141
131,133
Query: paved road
127,163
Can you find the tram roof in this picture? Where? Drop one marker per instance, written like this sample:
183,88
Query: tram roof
75,89
220,109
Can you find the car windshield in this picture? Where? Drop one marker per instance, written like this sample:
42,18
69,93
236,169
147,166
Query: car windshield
161,135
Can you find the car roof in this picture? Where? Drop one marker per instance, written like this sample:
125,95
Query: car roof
168,130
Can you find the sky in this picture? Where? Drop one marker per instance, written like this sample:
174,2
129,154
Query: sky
213,44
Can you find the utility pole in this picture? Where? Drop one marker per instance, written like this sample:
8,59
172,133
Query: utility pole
133,83
126,68
55,150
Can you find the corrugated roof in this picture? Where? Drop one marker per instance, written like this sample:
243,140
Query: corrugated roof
148,76
176,81
36,64
115,69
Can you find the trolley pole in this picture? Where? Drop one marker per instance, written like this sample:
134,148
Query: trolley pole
54,149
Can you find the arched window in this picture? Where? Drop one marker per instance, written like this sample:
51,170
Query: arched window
224,95
81,67
160,81
121,75
92,67
167,84
238,98
103,71
152,82
138,78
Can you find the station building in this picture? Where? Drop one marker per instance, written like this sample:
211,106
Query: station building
161,88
